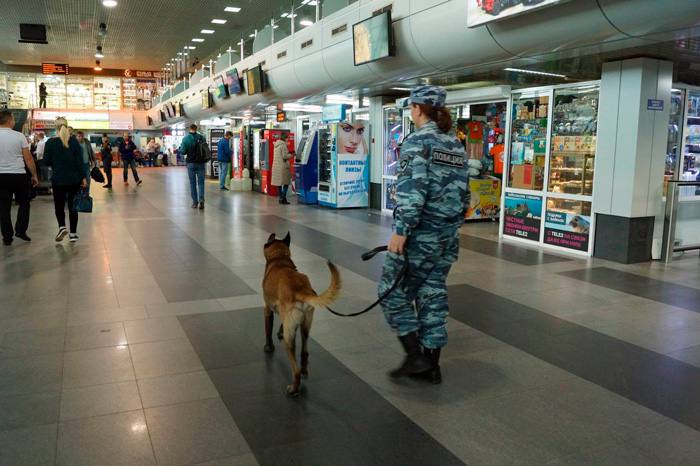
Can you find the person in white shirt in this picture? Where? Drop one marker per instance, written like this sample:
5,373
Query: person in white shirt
14,156
40,146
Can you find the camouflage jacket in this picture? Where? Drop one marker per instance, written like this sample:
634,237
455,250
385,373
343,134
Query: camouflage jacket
432,189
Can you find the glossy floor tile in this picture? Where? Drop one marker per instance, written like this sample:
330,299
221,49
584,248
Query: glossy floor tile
143,344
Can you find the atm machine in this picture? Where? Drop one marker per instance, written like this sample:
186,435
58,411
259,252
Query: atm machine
264,141
306,166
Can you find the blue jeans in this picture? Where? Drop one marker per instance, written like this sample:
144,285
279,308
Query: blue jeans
224,168
196,173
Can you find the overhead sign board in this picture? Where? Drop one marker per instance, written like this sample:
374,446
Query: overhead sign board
54,68
142,74
486,11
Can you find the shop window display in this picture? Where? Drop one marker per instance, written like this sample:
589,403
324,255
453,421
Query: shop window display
528,142
690,164
22,90
107,93
129,93
55,89
79,92
393,136
574,129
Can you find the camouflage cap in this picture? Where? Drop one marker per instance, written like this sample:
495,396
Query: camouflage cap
430,95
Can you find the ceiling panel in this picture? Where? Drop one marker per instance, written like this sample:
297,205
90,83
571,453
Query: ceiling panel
142,34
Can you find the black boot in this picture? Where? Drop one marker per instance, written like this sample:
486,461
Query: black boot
415,361
434,374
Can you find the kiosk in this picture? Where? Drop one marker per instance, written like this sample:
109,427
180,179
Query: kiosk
265,145
306,166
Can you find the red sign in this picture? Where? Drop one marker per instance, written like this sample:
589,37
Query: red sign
54,68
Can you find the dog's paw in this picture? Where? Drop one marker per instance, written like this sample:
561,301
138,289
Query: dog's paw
269,348
292,392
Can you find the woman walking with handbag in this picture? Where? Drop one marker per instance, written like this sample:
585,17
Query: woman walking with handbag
64,154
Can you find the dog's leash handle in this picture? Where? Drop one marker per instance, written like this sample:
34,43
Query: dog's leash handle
370,254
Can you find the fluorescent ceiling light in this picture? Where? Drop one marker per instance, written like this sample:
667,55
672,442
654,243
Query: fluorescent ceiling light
407,89
232,9
284,15
252,35
306,22
191,47
197,39
275,26
540,73
218,21
109,3
293,15
302,108
207,31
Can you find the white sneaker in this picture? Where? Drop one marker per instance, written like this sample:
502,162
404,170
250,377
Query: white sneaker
73,237
62,232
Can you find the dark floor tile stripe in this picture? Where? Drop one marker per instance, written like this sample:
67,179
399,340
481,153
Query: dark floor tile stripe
182,268
658,382
664,292
338,419
508,252
336,250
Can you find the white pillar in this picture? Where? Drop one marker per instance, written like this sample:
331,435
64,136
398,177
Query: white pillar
630,158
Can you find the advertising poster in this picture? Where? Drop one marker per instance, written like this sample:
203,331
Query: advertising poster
485,11
485,199
522,216
353,165
567,230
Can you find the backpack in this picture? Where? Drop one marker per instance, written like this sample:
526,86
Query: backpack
199,153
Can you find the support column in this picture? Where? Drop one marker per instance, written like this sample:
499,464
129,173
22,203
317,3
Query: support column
630,158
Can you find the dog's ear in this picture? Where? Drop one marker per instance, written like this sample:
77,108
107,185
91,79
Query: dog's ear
287,239
271,238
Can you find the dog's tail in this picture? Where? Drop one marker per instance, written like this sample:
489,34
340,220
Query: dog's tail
329,296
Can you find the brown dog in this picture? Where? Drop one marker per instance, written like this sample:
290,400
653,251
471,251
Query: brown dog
289,293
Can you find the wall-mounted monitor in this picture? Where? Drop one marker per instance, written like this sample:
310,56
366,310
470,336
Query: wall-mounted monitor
372,39
233,81
181,109
221,87
255,80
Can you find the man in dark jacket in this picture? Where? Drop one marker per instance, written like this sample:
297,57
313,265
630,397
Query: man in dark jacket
196,166
224,154
42,95
126,150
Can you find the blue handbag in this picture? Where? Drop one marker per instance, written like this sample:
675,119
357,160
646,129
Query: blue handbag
82,202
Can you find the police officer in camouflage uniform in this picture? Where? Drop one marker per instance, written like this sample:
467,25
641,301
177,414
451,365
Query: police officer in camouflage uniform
432,194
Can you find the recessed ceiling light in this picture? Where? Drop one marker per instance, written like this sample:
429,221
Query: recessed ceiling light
197,39
97,66
232,9
275,26
218,21
252,35
109,3
207,31
540,73
306,22
191,47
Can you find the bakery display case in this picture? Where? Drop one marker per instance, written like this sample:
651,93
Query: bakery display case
573,146
528,147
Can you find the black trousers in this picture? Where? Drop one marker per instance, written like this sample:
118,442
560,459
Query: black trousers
17,186
130,163
63,198
107,165
42,101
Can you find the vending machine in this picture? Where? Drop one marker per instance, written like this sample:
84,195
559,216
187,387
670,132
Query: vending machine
343,165
306,166
215,135
265,145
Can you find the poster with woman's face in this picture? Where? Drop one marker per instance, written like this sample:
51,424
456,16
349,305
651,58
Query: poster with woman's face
351,138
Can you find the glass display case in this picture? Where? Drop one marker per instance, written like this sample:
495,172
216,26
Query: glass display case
22,91
392,138
55,90
129,93
107,93
689,169
79,92
573,145
528,148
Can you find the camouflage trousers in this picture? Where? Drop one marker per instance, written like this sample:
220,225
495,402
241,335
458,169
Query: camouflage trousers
419,303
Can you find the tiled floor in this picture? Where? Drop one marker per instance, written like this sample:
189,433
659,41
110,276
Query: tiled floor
142,344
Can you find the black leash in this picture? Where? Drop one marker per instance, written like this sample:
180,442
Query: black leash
399,277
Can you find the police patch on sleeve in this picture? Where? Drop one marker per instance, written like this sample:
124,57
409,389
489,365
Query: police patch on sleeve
451,159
